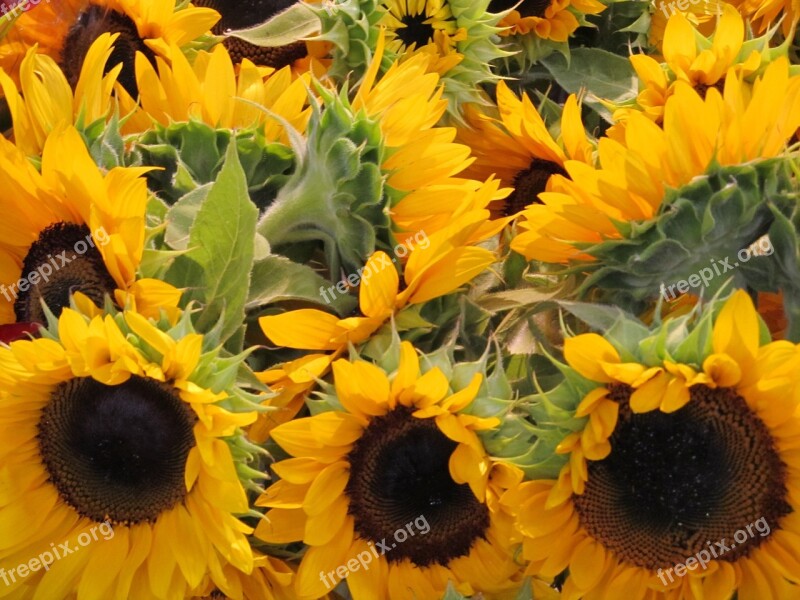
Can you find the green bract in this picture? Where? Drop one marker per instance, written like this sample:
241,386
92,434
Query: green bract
335,197
702,231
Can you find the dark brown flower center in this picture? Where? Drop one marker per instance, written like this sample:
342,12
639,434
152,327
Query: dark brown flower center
91,24
415,30
63,260
528,8
242,14
678,483
399,476
528,184
118,452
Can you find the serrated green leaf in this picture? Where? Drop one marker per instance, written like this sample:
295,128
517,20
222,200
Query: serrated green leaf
181,216
216,269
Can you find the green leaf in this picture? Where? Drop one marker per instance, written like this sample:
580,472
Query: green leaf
293,24
604,75
216,269
181,216
276,278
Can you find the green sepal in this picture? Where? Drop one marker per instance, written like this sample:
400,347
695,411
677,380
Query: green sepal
192,153
334,198
103,139
695,238
482,46
351,26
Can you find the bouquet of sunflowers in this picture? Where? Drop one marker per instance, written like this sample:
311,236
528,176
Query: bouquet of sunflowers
399,300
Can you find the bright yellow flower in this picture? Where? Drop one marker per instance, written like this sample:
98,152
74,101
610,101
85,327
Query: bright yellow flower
678,467
271,579
519,149
691,58
424,165
213,92
723,129
65,29
399,453
72,227
547,19
427,26
446,263
766,13
111,427
45,99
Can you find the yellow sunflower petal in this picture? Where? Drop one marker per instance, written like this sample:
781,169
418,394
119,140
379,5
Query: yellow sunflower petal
305,329
736,331
585,353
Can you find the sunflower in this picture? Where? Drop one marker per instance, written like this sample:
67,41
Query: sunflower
425,194
65,30
394,473
547,19
45,99
128,428
520,150
291,383
416,25
302,55
212,91
702,62
640,178
72,228
458,36
709,413
380,165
